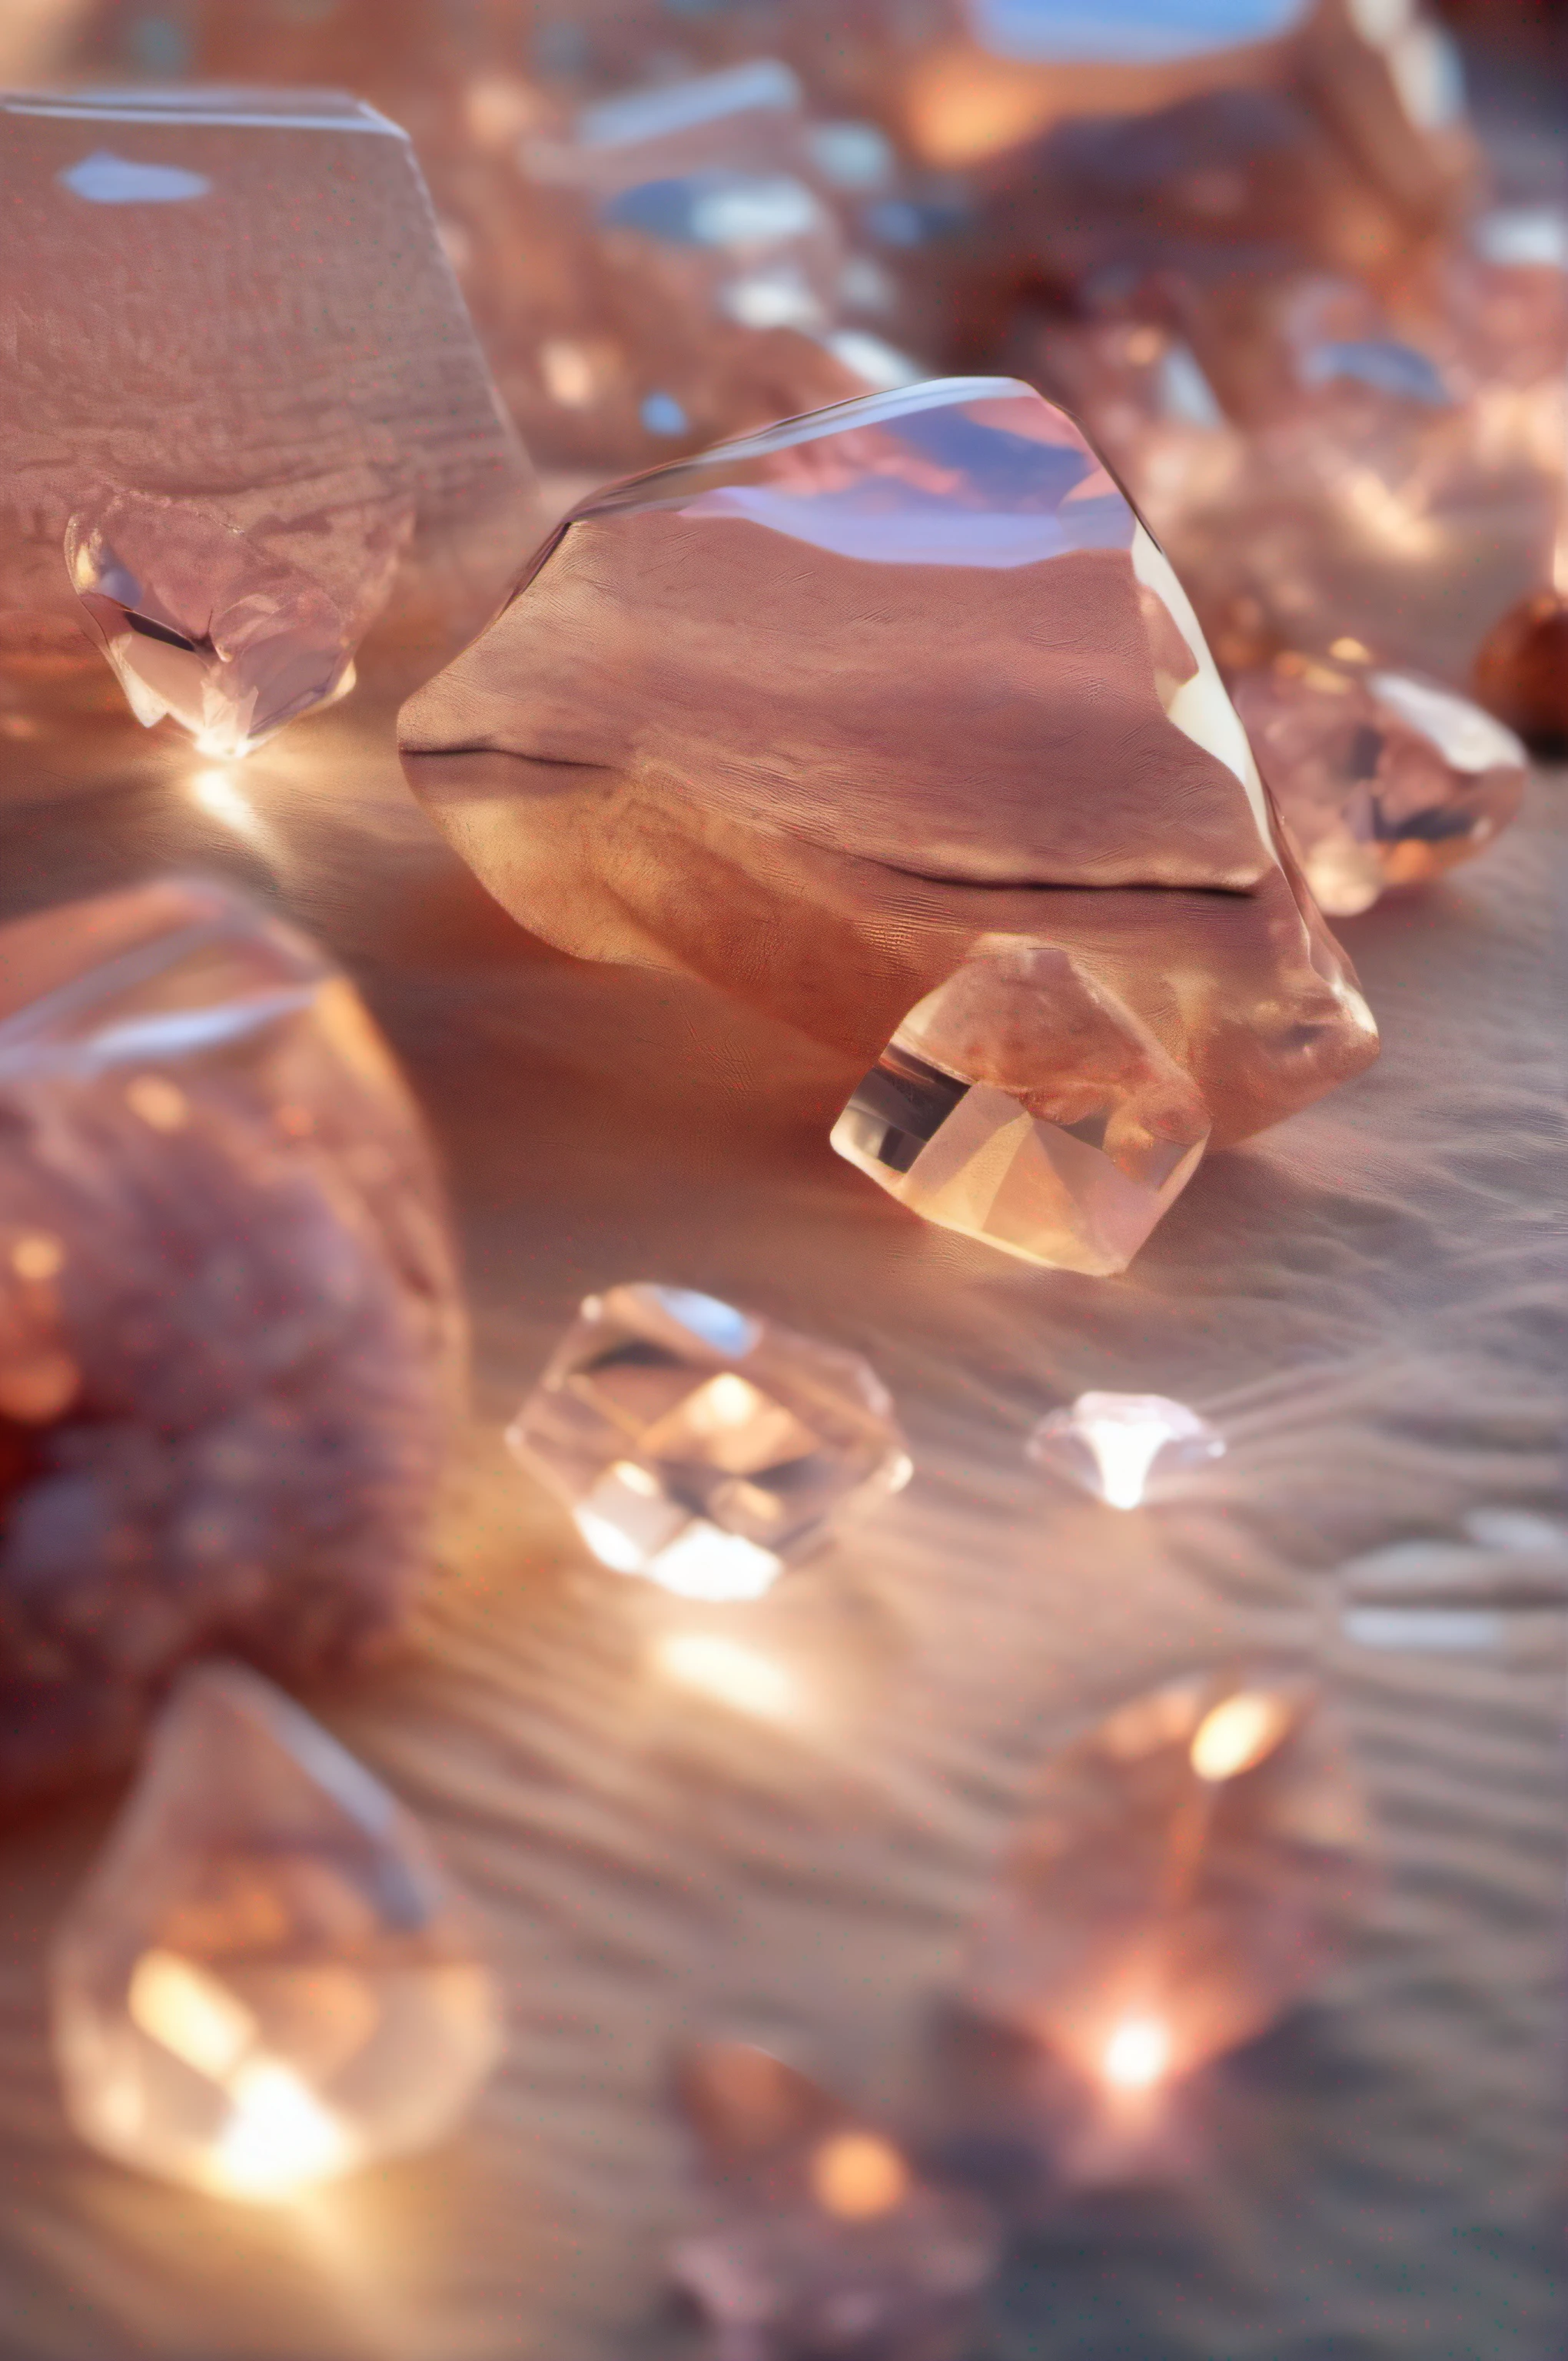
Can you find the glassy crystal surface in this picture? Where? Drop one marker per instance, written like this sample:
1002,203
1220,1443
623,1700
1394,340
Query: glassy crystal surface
1121,1446
823,2238
702,1446
1383,779
242,367
230,1324
267,1981
1022,1105
1186,1872
880,683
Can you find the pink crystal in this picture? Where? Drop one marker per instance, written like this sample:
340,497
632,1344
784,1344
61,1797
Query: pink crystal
268,1981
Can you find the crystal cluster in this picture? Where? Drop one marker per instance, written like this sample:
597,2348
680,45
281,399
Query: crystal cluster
229,1318
267,1981
1185,1872
702,1446
823,2236
244,391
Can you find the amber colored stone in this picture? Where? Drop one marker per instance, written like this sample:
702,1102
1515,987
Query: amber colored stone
268,1981
1124,1448
230,1326
1186,1870
811,715
1521,673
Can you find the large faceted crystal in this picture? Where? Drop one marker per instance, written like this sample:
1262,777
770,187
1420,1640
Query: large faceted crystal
702,1446
230,1324
814,714
1187,1870
240,364
823,2238
1022,1105
1383,780
268,1981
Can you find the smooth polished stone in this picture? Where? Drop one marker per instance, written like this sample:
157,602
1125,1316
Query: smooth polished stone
813,714
1383,780
1020,1104
702,1446
1123,1447
230,1322
237,301
1184,1872
823,2238
268,1981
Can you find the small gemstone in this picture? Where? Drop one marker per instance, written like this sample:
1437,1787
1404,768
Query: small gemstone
1021,1104
1122,1447
702,1446
823,2238
1521,673
1186,1872
267,1981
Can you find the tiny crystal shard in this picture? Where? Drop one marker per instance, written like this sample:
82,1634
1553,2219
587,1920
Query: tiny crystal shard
267,1981
1381,778
1186,1872
1121,1446
701,1446
1022,1105
823,2236
230,1324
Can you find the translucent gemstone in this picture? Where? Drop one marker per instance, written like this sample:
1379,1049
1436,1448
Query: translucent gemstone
280,427
1383,779
267,1981
1186,1870
1522,671
1121,1446
882,682
701,1446
229,1315
822,2237
1021,1104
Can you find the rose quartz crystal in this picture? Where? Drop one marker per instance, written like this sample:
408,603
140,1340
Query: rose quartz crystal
229,1318
814,714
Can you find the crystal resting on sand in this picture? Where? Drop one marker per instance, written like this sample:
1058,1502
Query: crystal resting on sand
230,1326
242,367
267,1981
814,714
702,1446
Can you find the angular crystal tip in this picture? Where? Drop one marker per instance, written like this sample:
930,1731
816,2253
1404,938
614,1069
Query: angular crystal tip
1121,1446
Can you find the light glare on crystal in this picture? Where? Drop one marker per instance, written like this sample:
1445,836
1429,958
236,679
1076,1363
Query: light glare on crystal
1116,1444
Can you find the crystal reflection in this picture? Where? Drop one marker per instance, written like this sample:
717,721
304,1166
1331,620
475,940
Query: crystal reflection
1120,1447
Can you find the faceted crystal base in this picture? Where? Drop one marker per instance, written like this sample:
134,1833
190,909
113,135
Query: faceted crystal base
1121,1446
825,2240
1021,1104
1383,779
267,1981
1187,1869
701,1446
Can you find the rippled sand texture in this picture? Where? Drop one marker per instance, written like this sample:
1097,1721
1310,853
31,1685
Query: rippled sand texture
1369,1298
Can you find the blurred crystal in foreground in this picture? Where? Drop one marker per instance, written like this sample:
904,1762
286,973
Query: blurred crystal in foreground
1383,779
1522,670
1186,1870
824,2240
1117,1445
701,1446
267,1981
1020,1102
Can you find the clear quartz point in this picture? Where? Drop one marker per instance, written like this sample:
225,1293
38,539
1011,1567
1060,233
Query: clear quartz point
1120,1447
822,2237
267,1981
1184,1872
702,1446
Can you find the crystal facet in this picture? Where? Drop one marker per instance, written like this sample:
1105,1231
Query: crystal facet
1382,779
230,1324
1022,1105
815,713
823,2239
1187,1869
1120,1447
701,1446
267,1981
